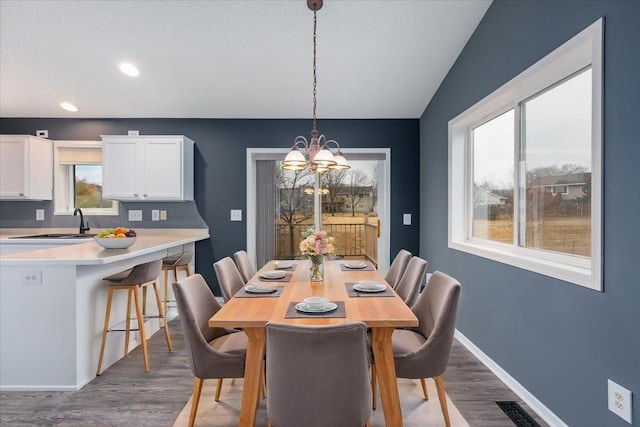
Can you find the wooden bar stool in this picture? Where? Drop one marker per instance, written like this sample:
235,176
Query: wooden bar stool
175,263
132,280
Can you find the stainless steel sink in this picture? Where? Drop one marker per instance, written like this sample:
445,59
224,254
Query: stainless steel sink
56,236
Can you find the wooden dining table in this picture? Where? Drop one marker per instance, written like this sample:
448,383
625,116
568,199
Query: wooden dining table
381,314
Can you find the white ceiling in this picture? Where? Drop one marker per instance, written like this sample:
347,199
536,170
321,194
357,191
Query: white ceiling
228,59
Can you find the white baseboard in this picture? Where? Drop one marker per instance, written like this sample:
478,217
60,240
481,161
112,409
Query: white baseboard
39,388
524,394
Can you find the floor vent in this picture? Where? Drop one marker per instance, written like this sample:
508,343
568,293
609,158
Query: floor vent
518,415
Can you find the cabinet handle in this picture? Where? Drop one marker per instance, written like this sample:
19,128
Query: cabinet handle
144,195
21,194
135,195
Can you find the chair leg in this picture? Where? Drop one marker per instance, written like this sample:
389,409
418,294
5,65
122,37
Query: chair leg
367,424
218,389
143,337
263,381
195,400
424,388
144,300
373,386
442,397
127,328
189,270
105,329
163,316
166,287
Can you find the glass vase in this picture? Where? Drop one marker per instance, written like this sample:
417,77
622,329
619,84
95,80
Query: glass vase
316,269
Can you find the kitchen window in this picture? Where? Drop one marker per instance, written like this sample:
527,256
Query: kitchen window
78,179
525,167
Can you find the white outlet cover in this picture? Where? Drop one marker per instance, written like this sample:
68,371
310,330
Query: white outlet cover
31,277
620,401
236,214
163,215
155,215
406,219
39,214
135,215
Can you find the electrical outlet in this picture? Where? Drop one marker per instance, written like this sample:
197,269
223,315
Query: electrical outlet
620,401
236,214
39,214
163,215
135,215
406,219
31,277
42,133
155,215
133,133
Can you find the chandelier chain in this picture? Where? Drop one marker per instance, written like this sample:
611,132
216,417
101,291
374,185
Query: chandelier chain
315,24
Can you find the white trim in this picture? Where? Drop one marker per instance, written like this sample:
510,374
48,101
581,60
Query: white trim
62,182
384,203
583,50
527,397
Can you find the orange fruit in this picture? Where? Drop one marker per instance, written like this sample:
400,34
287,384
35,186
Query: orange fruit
120,236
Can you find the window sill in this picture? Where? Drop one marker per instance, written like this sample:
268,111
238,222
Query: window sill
569,273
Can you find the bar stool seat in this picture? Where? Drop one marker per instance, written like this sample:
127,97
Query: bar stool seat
132,280
175,263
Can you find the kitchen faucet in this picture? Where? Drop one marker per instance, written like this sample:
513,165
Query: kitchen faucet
83,227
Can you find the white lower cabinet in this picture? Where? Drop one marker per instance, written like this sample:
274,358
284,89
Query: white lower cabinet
147,168
26,168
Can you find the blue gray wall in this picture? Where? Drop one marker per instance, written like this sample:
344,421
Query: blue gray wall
561,341
220,172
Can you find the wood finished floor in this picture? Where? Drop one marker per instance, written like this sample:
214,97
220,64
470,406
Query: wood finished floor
124,395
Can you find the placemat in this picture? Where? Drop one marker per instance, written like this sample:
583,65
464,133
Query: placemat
292,268
286,278
242,293
369,267
353,293
292,313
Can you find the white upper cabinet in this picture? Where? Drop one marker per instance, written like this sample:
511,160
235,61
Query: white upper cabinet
147,168
26,168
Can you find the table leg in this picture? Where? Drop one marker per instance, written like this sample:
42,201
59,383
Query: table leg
386,371
252,370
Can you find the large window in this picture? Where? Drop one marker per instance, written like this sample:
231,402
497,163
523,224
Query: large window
525,167
78,178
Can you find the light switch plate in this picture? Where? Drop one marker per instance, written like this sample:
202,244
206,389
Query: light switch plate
39,214
236,214
135,215
406,219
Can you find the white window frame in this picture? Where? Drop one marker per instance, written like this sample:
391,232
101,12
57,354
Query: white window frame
63,181
582,51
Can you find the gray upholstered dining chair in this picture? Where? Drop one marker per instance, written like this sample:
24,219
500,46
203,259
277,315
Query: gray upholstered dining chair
212,352
424,352
318,375
245,266
229,277
409,285
396,270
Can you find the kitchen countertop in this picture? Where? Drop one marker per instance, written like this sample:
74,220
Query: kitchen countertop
88,252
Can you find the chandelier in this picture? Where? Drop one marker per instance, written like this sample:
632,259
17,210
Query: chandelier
317,152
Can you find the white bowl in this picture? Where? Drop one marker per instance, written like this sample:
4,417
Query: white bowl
115,242
316,303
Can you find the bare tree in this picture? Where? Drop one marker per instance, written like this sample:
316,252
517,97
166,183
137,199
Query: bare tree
293,205
334,182
356,180
374,189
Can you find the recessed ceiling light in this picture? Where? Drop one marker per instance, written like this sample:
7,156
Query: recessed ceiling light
69,106
129,69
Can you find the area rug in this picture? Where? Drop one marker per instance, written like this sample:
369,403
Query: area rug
416,411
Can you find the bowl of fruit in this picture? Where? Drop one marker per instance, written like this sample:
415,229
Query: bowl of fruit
116,238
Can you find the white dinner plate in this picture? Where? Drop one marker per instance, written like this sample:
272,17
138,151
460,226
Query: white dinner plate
327,308
283,265
257,288
273,274
378,288
355,265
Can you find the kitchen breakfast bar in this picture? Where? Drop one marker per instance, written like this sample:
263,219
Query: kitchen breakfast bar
52,305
